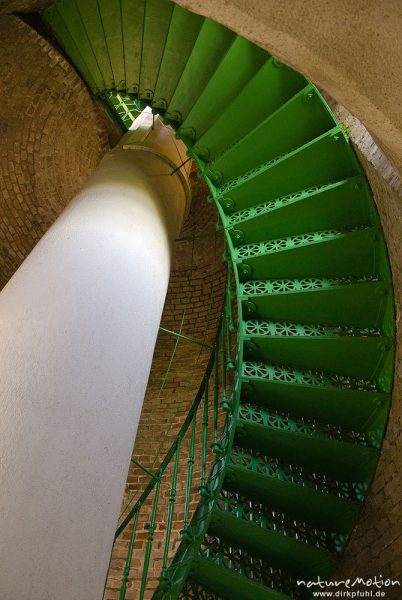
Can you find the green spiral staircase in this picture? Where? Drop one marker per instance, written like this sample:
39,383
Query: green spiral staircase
315,325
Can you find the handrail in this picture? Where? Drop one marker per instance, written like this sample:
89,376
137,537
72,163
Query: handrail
170,453
219,361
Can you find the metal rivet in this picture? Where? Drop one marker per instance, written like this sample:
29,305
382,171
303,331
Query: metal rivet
245,270
228,204
238,236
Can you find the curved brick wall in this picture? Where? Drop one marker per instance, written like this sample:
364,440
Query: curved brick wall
52,135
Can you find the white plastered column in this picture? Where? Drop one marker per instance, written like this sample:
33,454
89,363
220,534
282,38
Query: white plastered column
78,325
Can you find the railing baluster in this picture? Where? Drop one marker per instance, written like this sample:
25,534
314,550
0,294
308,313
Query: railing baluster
127,566
150,540
229,322
203,488
229,302
169,522
215,444
173,454
225,405
185,531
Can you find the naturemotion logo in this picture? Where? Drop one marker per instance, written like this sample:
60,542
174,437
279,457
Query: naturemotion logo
350,588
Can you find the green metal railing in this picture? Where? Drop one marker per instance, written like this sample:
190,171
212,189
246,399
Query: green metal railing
194,449
264,483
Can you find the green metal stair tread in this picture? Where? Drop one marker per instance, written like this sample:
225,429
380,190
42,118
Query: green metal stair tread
212,42
353,356
230,584
157,18
89,11
350,409
361,303
338,459
60,30
318,254
69,14
183,31
284,421
111,17
339,205
323,510
271,519
295,557
237,67
301,119
271,87
326,158
132,19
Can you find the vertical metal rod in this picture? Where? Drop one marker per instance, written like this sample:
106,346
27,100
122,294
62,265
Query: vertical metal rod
127,566
204,439
190,472
150,541
172,500
229,305
224,401
229,321
215,443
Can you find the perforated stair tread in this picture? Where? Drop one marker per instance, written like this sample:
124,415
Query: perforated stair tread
350,404
338,459
296,557
270,180
320,509
230,585
340,301
354,352
337,205
301,119
298,256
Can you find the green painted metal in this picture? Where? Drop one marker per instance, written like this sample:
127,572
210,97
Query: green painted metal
125,108
225,83
132,19
298,558
271,87
225,584
184,337
210,46
311,370
183,32
157,17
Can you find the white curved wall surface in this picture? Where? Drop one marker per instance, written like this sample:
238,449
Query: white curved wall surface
78,325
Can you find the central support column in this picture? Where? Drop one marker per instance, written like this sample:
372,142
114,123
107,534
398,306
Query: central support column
78,325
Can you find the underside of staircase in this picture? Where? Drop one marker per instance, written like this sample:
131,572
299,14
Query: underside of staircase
315,317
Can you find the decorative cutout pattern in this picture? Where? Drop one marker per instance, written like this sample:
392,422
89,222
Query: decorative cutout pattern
277,469
288,243
237,181
283,421
256,569
266,207
278,521
280,286
284,374
281,329
194,590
